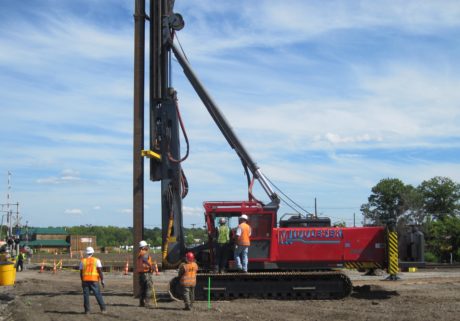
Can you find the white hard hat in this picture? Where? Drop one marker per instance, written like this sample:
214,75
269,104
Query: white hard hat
143,244
244,217
222,220
89,250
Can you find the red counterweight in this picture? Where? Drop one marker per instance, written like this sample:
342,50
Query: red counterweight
329,246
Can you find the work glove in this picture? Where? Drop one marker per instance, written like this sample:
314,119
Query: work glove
103,283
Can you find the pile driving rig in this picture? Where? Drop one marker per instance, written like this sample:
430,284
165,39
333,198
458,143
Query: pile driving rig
296,257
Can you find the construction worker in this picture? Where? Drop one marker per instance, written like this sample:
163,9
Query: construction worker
243,234
145,268
223,241
90,274
20,262
187,275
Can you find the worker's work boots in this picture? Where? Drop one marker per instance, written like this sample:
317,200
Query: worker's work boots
144,303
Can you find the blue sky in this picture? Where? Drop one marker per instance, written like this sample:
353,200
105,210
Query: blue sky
328,96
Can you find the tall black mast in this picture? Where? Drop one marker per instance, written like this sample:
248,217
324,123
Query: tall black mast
164,130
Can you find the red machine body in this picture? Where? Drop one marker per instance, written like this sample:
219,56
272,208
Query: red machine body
300,248
331,246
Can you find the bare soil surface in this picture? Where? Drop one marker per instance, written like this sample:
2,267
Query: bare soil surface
427,295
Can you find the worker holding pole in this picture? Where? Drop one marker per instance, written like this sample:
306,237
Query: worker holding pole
145,267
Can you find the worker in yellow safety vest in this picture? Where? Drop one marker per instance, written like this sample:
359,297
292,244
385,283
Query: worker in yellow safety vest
187,275
243,241
145,267
90,274
223,242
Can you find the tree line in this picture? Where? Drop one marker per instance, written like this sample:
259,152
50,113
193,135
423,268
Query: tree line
433,206
120,236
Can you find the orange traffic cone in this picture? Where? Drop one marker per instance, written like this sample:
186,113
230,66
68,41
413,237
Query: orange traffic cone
126,267
54,266
42,268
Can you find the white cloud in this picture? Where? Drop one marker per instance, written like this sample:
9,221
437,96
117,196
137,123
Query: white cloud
67,176
127,211
73,211
328,98
276,24
192,211
337,139
48,180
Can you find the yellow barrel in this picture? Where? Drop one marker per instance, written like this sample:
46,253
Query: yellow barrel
7,273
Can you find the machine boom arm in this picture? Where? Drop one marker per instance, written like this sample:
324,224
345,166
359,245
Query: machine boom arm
222,123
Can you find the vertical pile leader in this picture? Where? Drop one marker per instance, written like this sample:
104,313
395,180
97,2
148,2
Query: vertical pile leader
297,257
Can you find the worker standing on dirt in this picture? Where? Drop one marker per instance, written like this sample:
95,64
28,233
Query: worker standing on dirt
145,268
187,275
90,274
20,262
243,234
223,241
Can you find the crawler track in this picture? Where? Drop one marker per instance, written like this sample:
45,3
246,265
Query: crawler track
270,285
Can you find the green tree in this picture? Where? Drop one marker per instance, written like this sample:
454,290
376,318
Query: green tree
105,235
444,238
153,236
192,234
390,201
441,197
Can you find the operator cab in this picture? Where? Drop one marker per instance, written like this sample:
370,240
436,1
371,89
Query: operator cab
261,220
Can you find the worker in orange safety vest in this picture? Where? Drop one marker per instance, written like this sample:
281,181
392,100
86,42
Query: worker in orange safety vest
187,275
145,267
243,241
90,274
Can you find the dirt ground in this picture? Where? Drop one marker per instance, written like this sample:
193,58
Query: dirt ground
427,295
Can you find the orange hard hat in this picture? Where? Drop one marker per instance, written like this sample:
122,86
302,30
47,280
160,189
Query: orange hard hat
190,256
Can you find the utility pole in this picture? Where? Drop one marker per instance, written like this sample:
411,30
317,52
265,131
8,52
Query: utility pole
9,216
8,211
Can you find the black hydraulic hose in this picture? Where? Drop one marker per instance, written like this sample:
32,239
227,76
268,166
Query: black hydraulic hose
170,157
246,171
184,183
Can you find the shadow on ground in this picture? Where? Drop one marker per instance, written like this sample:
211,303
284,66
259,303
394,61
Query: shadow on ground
368,292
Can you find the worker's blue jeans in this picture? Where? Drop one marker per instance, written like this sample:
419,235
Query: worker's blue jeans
241,257
92,286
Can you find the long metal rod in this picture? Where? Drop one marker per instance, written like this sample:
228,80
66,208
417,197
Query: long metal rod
222,123
138,143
